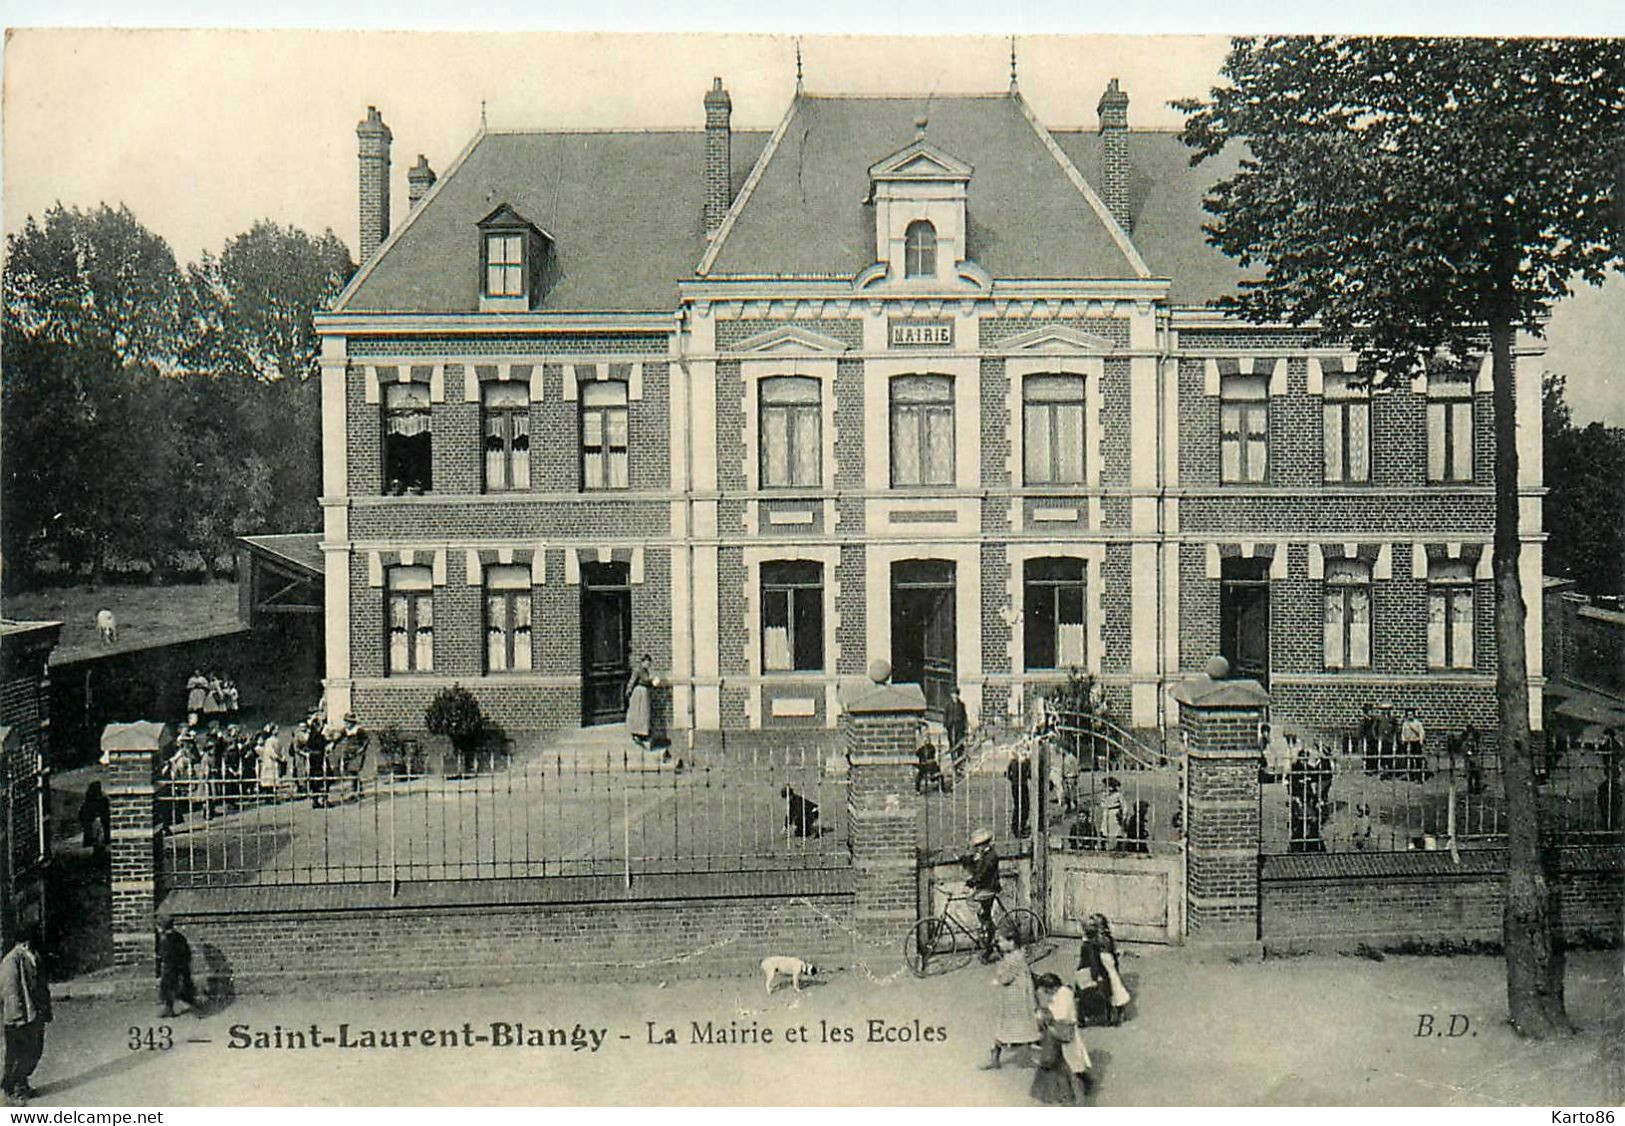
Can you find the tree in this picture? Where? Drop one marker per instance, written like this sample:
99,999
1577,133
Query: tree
94,279
248,317
1585,506
91,299
1419,195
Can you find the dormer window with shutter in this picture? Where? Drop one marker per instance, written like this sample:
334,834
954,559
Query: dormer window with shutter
513,252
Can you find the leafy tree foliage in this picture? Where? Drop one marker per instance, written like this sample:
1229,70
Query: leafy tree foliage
152,415
1585,504
1419,196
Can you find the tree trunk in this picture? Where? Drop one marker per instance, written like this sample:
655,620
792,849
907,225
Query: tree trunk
1534,956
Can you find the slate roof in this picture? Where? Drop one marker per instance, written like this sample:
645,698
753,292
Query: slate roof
806,214
302,550
625,209
1165,197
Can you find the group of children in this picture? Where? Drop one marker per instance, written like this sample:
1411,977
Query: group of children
209,698
1042,1010
215,769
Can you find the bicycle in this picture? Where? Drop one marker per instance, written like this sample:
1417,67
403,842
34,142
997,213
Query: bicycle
943,943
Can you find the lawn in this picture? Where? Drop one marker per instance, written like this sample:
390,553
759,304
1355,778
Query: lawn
147,615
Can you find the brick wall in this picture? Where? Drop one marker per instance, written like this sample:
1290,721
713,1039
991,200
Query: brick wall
490,932
1339,900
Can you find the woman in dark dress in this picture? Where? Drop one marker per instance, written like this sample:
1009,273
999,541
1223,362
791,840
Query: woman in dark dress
1091,986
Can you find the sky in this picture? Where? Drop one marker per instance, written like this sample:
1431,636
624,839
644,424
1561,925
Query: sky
200,133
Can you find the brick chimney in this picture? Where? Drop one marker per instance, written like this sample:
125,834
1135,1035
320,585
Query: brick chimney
373,137
1113,110
718,156
419,179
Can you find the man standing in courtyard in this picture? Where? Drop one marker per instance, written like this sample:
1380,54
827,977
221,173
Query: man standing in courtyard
25,1006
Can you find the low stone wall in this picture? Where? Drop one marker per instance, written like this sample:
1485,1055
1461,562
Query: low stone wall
428,935
1338,901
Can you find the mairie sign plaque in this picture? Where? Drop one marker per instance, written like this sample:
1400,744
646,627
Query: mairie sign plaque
922,334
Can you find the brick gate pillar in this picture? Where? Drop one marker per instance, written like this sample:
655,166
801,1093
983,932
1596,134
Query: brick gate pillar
135,753
1219,721
880,723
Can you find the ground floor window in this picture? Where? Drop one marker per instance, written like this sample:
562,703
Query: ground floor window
1053,599
1348,614
792,617
1450,616
411,620
507,619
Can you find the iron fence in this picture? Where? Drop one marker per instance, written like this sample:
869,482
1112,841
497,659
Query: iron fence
550,813
1357,795
1089,784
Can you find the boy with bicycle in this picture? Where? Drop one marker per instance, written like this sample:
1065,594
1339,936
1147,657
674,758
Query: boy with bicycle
983,862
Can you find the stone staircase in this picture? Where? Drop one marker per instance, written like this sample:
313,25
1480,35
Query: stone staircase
605,748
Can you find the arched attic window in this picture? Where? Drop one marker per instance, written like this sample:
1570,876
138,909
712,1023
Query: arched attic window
920,250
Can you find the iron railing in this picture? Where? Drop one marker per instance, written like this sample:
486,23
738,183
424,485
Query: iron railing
547,813
1351,795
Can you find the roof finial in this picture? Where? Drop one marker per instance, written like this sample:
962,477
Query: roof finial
1012,64
482,115
798,64
919,126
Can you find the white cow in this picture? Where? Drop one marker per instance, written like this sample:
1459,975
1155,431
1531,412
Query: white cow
108,625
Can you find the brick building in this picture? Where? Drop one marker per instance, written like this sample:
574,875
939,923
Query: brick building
25,752
906,378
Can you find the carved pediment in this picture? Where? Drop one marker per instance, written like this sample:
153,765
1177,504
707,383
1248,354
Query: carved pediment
789,340
1057,338
921,160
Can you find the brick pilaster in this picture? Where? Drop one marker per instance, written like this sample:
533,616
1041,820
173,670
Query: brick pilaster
1219,721
880,725
135,753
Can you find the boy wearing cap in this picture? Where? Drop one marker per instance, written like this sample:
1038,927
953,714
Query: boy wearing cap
983,862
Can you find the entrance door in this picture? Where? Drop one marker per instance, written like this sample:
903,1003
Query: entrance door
922,629
1244,617
606,642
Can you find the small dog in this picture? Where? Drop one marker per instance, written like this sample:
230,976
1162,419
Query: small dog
793,968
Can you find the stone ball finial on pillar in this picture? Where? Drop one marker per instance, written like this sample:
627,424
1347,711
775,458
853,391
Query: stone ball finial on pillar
879,670
1217,667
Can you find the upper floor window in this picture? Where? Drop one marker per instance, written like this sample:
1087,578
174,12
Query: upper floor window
504,265
604,436
408,439
920,250
1052,429
922,430
1450,615
792,617
411,620
1243,428
1346,430
1053,613
1450,431
1348,614
507,436
507,619
791,429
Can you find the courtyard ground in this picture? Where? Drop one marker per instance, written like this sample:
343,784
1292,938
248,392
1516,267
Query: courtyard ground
1314,1030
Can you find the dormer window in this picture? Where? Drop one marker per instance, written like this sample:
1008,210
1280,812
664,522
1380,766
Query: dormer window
920,250
513,253
504,265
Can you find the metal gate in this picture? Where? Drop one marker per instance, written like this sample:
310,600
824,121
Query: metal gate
1113,836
